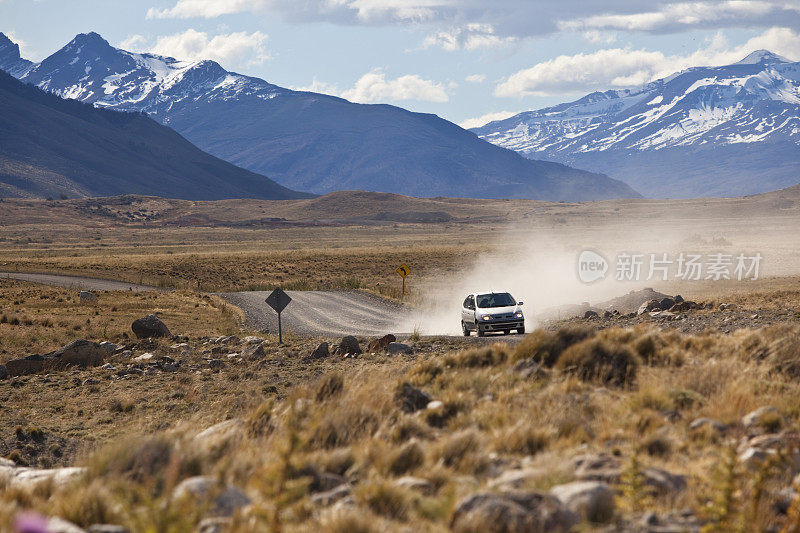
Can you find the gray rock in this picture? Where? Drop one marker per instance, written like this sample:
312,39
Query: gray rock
321,351
590,315
348,345
229,501
108,347
87,297
416,484
412,399
59,525
592,500
252,340
214,525
27,478
532,512
708,422
150,326
202,488
608,469
753,419
254,352
648,306
517,478
107,528
332,496
80,352
396,348
216,364
31,364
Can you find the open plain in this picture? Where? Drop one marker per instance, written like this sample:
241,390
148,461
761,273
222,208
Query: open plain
652,421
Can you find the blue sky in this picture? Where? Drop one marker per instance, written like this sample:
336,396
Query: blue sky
465,60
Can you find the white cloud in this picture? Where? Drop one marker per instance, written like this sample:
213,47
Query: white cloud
478,24
622,67
485,119
206,8
475,78
473,36
595,36
374,87
232,49
674,16
134,43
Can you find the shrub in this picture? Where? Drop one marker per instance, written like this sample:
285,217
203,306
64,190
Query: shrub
481,357
522,439
406,458
343,426
259,422
601,361
385,498
330,386
453,450
545,347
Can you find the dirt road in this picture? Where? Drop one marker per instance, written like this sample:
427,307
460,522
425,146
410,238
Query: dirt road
311,313
77,282
321,313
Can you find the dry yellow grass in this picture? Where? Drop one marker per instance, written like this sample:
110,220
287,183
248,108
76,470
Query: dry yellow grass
348,422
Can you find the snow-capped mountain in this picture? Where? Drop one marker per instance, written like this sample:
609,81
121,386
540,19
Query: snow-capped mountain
704,131
91,70
305,141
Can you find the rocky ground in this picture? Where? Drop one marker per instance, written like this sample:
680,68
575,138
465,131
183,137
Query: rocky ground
681,419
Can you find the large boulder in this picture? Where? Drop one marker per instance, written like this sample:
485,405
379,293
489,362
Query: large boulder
205,489
87,297
80,353
648,306
3,372
398,348
149,327
532,512
348,345
592,500
380,345
608,469
26,365
320,352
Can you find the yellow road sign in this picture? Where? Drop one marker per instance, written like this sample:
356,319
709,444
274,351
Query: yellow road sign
403,270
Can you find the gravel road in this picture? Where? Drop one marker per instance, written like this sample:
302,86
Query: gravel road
325,313
77,282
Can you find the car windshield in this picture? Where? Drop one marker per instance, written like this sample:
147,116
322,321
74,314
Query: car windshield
495,299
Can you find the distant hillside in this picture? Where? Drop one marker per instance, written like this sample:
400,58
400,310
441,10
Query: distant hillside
705,131
53,147
303,140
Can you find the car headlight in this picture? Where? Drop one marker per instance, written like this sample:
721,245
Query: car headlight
518,315
486,317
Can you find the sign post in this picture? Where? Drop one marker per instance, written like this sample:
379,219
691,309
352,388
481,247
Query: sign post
278,300
403,270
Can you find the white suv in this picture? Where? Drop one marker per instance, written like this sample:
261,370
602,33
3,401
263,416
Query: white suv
491,312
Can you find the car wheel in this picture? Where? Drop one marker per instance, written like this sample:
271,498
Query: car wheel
520,331
506,331
464,329
479,331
